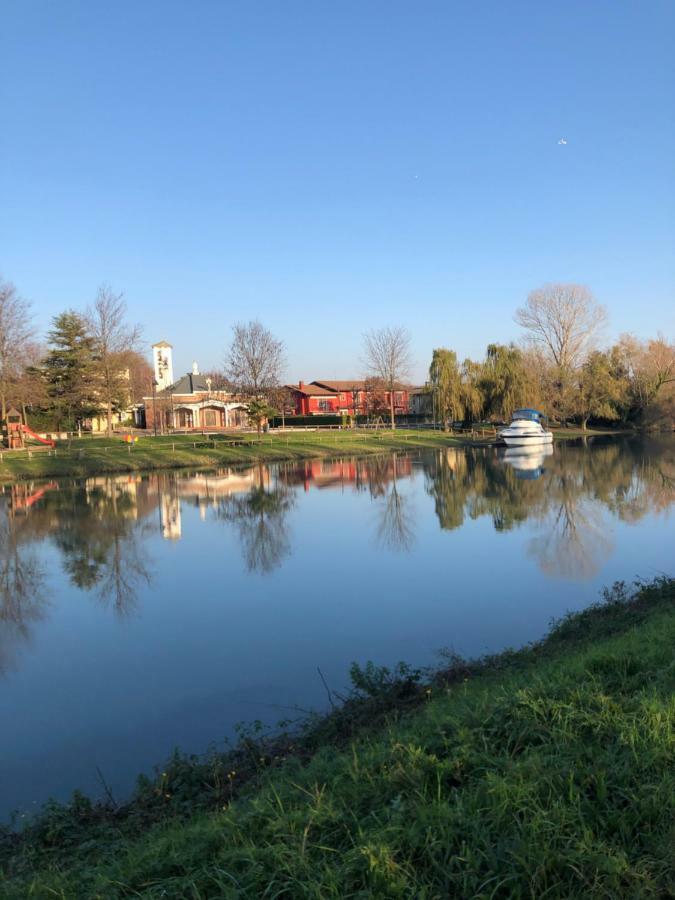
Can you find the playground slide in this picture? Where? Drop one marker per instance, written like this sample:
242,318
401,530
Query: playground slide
36,437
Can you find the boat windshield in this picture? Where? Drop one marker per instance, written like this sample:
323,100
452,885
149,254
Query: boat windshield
532,415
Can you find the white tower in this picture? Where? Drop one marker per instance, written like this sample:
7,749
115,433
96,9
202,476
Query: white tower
163,364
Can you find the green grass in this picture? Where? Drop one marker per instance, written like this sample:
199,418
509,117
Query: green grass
99,456
543,773
96,456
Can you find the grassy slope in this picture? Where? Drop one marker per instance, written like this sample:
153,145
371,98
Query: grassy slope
96,456
546,773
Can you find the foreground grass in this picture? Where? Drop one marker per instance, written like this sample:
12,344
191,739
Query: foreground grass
100,456
547,772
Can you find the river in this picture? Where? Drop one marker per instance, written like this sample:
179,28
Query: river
141,613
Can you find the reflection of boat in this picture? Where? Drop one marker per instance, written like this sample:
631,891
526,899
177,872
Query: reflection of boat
526,429
528,463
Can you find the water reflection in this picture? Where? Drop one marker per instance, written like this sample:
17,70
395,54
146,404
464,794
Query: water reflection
527,463
22,599
100,526
260,517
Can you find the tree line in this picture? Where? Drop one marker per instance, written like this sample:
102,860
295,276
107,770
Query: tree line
559,367
91,366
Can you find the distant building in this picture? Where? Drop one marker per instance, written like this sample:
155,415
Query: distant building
191,402
347,398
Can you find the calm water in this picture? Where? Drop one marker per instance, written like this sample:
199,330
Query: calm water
141,613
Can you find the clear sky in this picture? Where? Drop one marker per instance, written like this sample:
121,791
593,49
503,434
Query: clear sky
328,167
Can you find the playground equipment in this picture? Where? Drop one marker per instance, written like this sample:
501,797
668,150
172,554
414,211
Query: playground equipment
15,432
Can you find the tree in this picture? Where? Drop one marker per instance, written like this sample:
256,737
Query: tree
28,389
565,320
473,399
69,370
601,393
651,367
505,382
446,385
259,411
387,357
256,359
113,341
16,333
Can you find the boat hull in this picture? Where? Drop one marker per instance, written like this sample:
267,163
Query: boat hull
527,440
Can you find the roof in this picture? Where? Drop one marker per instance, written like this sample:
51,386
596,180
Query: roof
332,384
163,344
358,384
311,390
188,384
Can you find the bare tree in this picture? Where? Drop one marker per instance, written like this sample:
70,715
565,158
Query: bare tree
387,357
113,340
16,333
565,320
255,360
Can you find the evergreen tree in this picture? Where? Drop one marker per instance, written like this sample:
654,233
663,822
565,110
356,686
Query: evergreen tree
69,371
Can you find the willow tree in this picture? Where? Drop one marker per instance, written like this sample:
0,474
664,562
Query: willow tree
505,382
445,380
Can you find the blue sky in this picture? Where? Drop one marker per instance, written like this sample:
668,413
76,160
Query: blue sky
332,167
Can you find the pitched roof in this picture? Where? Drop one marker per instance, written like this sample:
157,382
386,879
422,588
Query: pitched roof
311,390
331,384
355,383
188,384
163,344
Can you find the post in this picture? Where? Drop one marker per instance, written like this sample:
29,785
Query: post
154,405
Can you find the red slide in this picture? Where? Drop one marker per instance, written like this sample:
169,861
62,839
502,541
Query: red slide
36,437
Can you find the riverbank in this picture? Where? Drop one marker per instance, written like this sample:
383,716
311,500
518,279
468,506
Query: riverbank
548,771
86,457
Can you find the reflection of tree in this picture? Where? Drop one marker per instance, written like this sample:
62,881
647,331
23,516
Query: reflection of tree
395,529
627,478
260,517
574,543
21,585
95,527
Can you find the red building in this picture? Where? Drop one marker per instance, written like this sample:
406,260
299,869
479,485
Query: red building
348,398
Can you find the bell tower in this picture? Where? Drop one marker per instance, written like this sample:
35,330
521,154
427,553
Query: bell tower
163,364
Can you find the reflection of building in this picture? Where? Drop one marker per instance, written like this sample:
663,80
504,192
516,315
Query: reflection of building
191,402
169,516
325,473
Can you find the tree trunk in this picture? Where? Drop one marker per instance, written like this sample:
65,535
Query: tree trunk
391,408
584,423
109,418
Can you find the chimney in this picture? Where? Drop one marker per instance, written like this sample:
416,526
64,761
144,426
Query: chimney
301,385
195,368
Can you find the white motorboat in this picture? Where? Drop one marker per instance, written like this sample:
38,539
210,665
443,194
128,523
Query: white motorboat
526,429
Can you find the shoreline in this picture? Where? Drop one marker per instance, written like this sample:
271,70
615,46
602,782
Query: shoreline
581,704
86,457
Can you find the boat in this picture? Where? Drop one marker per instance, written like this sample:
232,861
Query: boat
526,429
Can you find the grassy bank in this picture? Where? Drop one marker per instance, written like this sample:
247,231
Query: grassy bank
547,772
98,456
